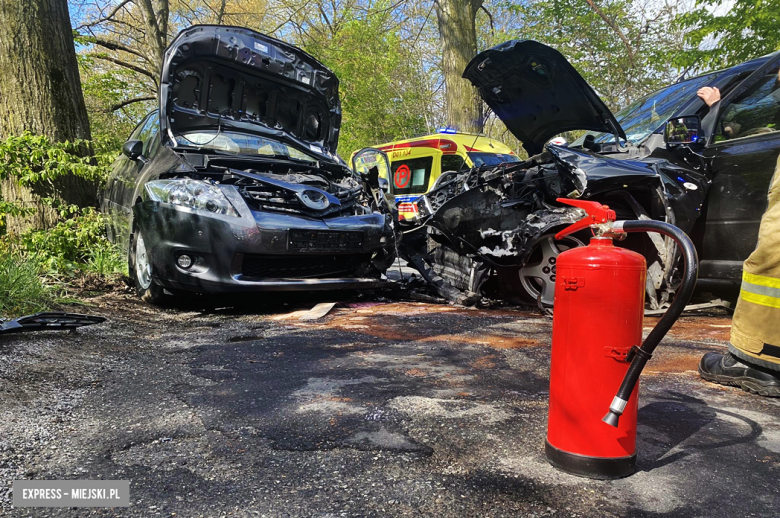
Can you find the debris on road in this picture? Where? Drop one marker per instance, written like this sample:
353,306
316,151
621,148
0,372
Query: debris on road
50,321
717,303
318,311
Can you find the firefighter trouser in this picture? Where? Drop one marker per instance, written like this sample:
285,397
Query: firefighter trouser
755,329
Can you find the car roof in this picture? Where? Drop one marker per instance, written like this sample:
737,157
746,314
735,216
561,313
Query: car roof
747,66
469,141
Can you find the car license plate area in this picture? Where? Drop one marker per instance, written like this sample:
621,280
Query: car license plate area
324,241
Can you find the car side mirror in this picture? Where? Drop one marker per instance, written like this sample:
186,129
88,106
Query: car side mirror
133,149
683,130
373,165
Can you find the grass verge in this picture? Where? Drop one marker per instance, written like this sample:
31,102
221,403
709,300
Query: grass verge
22,288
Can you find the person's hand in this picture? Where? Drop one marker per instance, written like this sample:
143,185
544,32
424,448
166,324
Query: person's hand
709,95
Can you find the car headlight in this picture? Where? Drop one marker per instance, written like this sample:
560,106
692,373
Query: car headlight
315,200
194,194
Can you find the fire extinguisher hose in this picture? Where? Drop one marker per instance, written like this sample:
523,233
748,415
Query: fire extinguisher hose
642,354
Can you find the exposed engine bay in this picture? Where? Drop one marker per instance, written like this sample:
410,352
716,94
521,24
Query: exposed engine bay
495,222
284,187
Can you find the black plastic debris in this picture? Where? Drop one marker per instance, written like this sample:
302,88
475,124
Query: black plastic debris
54,320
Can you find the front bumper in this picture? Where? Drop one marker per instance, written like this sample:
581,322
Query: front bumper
257,250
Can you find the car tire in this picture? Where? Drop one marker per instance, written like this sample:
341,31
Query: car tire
525,284
140,269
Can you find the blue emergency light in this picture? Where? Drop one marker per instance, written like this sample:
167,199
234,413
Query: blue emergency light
447,130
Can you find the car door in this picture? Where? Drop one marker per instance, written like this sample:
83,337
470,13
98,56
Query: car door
122,183
113,205
743,149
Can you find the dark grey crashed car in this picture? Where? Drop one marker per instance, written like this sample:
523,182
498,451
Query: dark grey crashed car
234,185
489,231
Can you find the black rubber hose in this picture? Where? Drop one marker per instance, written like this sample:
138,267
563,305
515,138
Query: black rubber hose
644,353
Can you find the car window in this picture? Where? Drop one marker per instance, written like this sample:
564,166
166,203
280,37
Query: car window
411,176
452,163
754,112
141,125
647,115
239,144
148,132
491,159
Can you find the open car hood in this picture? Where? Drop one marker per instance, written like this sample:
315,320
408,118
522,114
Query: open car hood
536,92
218,76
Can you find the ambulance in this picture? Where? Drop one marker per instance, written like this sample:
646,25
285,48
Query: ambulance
419,164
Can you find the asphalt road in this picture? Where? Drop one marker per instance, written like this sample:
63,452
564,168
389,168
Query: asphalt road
377,409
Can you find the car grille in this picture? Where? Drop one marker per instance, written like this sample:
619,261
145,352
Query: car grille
300,266
261,198
324,241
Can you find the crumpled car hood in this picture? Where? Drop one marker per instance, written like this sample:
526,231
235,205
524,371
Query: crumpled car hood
585,174
216,76
536,92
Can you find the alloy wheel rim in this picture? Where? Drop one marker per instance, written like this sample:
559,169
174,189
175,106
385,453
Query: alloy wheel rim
143,270
539,277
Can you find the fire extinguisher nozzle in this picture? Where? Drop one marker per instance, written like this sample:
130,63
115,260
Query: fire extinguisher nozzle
611,418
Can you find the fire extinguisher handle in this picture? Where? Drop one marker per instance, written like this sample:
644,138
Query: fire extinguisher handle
596,214
644,353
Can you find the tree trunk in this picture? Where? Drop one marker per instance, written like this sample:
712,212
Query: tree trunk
457,27
40,91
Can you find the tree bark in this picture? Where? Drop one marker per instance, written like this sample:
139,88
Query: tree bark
40,91
457,28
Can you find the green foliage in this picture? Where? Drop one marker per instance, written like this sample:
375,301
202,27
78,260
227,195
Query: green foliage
380,101
105,88
38,266
22,289
747,30
31,159
73,243
34,160
622,61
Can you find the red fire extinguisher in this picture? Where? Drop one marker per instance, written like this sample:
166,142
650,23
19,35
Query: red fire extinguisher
597,327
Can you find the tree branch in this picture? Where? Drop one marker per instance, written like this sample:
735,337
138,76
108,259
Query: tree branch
163,13
158,46
615,28
221,12
112,45
105,18
490,17
125,64
115,107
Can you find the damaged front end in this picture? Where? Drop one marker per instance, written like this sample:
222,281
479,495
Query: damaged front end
262,224
489,232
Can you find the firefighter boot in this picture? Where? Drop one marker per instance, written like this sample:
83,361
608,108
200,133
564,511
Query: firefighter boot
728,370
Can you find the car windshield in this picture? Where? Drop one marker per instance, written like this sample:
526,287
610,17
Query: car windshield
491,159
239,144
644,117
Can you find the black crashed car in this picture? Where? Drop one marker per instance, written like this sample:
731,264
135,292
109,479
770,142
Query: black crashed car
666,156
234,184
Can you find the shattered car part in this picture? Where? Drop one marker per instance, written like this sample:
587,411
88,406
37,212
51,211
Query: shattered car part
49,321
233,185
500,215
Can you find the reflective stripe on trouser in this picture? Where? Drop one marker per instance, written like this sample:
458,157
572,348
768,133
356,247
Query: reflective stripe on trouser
759,289
755,329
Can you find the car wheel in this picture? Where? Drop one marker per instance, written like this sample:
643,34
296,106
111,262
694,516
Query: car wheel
140,268
537,276
534,282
